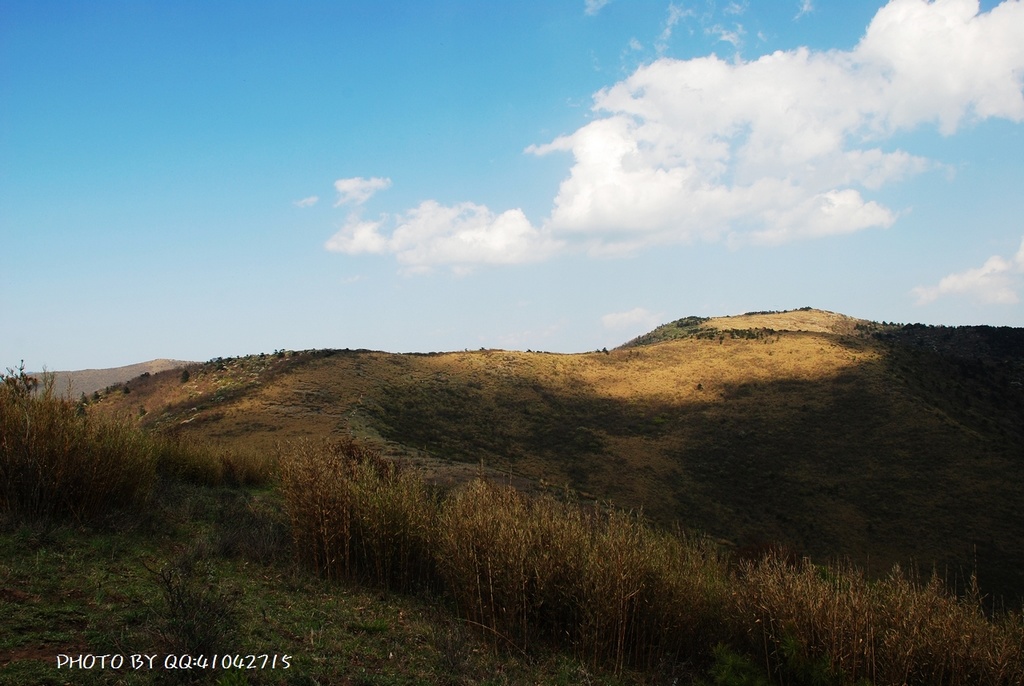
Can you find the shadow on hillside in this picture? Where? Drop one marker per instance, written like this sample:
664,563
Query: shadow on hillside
909,459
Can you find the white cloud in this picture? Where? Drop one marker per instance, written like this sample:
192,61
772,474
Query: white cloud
358,190
592,7
944,62
783,147
736,8
806,7
826,214
724,35
358,237
675,14
307,202
636,319
997,282
459,236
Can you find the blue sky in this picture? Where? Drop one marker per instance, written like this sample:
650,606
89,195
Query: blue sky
193,179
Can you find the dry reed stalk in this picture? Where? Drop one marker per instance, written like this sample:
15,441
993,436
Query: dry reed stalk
833,623
57,462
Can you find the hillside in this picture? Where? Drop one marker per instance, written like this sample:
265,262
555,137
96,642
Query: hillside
834,436
88,381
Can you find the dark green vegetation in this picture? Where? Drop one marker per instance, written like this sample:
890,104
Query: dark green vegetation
783,433
687,327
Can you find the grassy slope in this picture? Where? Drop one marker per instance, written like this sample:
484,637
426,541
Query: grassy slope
836,443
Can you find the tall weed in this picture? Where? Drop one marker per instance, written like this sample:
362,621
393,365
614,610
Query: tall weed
831,625
197,616
194,461
534,573
57,462
355,515
604,584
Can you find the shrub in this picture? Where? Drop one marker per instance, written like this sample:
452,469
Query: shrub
251,528
733,669
183,458
197,616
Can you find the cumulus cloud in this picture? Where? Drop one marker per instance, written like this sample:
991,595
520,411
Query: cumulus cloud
789,146
783,147
944,62
636,319
356,191
460,236
307,202
997,282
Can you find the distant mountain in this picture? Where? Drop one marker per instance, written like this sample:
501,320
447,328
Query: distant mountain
88,381
839,437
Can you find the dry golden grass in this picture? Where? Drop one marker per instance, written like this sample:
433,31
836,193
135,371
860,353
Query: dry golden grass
817,321
532,573
833,624
535,573
56,462
357,516
195,461
529,572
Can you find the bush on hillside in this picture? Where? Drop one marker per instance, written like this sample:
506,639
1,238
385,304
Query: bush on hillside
193,461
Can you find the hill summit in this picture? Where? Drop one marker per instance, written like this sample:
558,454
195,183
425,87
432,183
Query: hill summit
803,319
